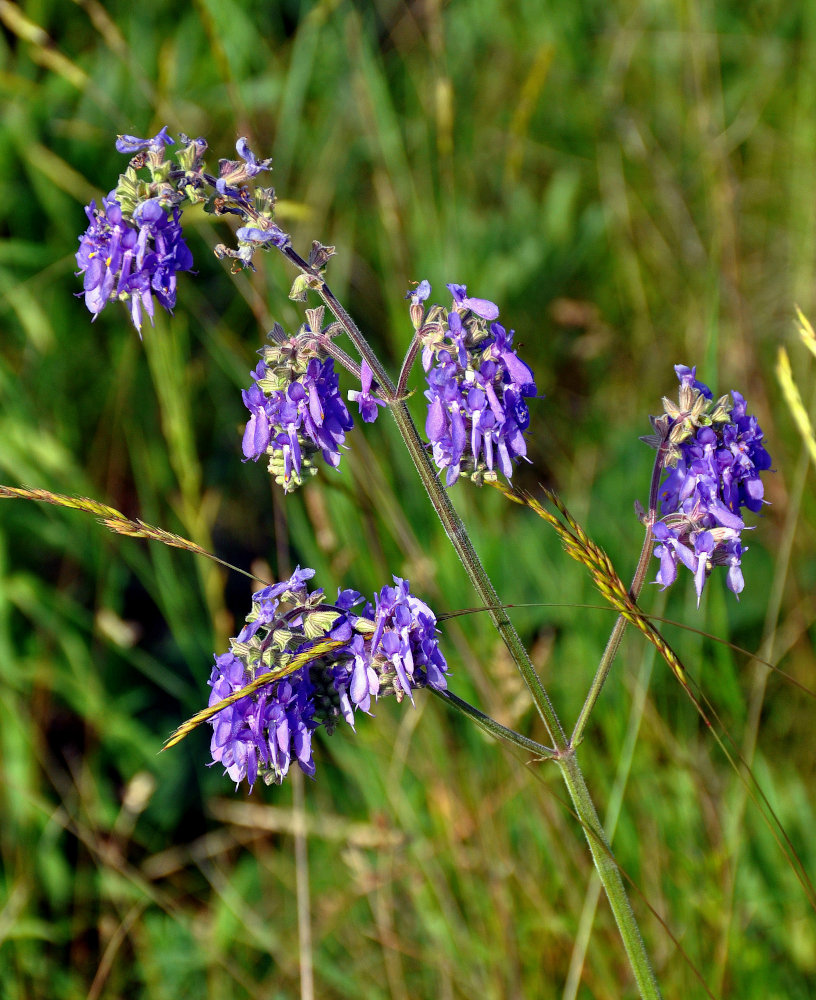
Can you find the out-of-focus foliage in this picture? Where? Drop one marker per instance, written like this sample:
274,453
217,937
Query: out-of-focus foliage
635,185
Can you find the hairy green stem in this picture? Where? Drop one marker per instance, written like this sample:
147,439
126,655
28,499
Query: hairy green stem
495,728
407,365
610,876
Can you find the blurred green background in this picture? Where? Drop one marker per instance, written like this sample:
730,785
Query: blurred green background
635,185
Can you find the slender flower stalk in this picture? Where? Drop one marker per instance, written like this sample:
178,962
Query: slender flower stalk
496,728
638,579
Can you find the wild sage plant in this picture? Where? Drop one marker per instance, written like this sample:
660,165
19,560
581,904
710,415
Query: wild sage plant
303,661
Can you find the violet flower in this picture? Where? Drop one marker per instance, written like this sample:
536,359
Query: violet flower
132,144
368,404
477,386
233,174
292,424
133,260
715,457
133,247
391,647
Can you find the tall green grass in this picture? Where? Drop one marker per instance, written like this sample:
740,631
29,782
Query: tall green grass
636,186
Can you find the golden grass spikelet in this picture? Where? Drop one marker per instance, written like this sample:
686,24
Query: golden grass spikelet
790,391
111,518
578,545
289,667
114,520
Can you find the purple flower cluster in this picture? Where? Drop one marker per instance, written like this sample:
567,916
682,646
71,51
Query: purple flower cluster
132,259
296,410
714,459
133,248
391,648
477,386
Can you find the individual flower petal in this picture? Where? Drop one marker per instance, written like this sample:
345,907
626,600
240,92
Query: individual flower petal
368,404
132,144
482,307
420,293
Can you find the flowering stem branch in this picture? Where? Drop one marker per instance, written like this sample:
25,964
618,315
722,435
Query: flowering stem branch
452,523
495,728
339,355
638,580
389,391
564,753
407,365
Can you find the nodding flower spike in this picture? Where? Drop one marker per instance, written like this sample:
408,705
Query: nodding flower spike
390,648
296,409
132,260
133,247
477,386
715,457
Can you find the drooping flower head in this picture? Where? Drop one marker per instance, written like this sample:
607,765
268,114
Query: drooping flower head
714,457
389,647
477,386
133,247
132,260
295,405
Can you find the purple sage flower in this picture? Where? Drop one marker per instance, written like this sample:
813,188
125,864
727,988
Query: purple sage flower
481,307
477,387
296,411
368,404
131,144
274,235
132,260
253,165
714,459
391,647
235,173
